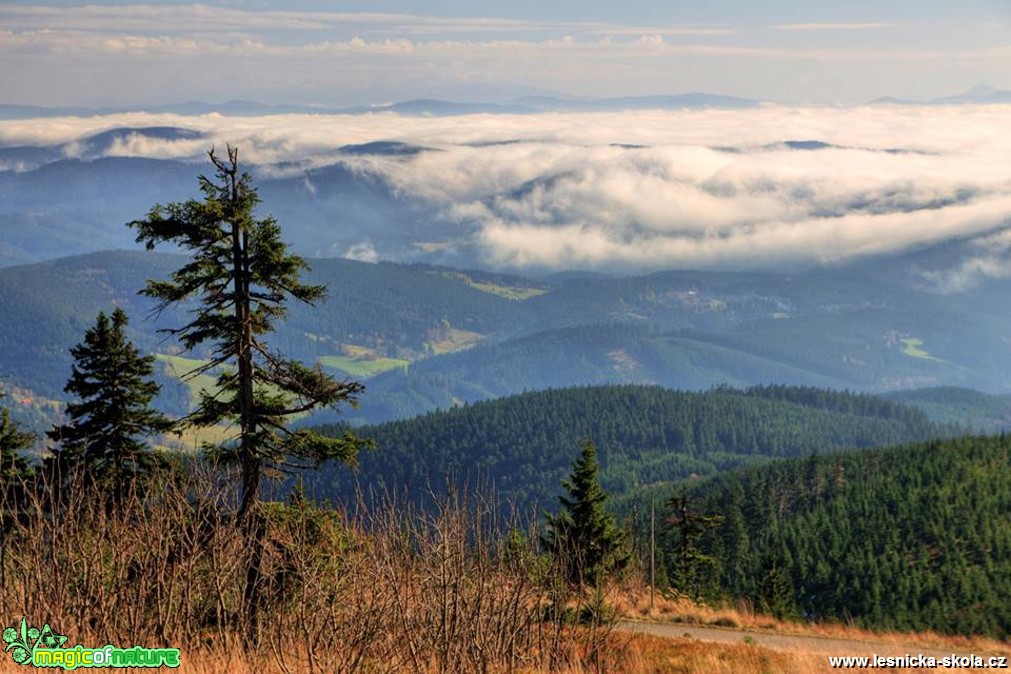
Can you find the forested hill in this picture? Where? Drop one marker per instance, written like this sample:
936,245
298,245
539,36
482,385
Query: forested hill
908,538
431,337
523,446
982,412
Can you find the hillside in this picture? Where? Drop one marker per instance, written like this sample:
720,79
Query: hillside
523,446
426,337
911,538
982,412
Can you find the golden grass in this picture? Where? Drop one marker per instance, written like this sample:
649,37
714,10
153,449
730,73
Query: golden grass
391,589
657,655
912,346
637,654
449,340
633,601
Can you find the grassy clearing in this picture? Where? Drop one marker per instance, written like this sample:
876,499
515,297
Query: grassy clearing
689,656
911,346
453,339
362,367
509,292
388,590
179,367
192,438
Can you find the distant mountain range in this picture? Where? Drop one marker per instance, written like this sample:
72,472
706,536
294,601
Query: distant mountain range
978,95
419,107
432,107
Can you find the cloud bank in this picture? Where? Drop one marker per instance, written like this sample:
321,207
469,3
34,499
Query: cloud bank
711,189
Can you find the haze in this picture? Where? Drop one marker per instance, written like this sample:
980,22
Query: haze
115,52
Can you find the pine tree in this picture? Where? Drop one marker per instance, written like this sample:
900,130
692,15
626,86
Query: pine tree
584,538
112,417
241,275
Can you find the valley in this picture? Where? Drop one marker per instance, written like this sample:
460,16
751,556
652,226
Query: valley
426,338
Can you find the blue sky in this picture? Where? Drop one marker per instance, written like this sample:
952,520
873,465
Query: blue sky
310,51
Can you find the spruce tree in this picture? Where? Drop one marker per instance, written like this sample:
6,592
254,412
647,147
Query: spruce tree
241,276
584,538
14,467
692,566
111,419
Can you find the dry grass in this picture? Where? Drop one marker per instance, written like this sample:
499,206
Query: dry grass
656,655
633,600
389,590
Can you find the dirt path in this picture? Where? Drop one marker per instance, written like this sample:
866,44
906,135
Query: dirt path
784,642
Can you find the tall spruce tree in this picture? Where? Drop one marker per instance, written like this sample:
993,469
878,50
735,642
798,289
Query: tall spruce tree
108,425
241,276
584,538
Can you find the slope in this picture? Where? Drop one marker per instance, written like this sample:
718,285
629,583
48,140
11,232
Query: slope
910,538
522,446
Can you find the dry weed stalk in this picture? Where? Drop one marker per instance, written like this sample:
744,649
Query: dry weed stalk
390,589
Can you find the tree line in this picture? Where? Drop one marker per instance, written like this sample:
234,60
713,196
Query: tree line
522,446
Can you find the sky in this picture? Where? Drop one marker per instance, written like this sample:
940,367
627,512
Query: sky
109,53
616,191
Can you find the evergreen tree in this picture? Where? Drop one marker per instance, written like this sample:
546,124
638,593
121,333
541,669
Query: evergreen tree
691,565
584,538
15,472
107,425
13,465
241,275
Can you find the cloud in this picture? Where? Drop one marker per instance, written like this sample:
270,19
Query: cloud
991,259
646,189
835,26
104,55
363,251
206,19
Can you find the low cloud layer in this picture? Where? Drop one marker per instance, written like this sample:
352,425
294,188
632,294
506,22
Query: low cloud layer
644,190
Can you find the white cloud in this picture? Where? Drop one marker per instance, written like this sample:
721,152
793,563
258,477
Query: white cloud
204,18
992,261
704,189
363,251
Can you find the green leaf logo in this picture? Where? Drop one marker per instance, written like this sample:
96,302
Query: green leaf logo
23,641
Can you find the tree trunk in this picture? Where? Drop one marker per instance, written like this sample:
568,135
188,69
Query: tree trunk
249,461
